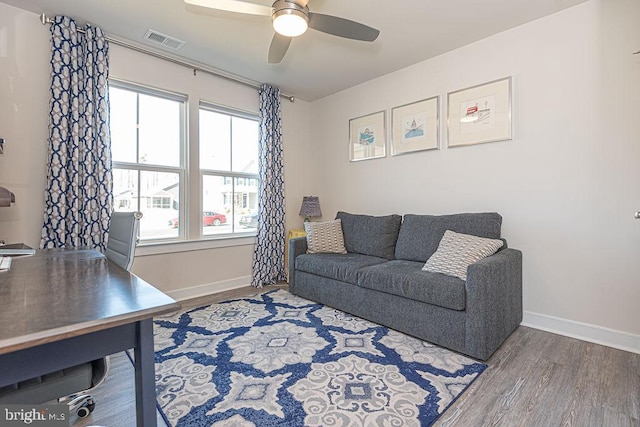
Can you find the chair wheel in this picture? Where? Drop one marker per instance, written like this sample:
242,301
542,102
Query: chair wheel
86,408
83,412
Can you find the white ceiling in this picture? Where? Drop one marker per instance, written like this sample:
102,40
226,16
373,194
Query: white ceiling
316,64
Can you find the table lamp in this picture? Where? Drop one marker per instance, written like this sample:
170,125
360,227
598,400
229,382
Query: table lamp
310,207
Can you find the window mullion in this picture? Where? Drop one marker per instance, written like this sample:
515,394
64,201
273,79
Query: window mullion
193,185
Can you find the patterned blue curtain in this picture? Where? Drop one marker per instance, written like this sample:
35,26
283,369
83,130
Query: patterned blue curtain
268,258
78,196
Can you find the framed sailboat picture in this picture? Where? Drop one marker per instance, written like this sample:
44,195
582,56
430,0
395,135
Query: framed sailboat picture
367,137
415,126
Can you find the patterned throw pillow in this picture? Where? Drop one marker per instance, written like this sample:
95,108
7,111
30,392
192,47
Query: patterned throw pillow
324,237
457,251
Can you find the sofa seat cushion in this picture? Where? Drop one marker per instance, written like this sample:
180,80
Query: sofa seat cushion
407,279
420,235
342,267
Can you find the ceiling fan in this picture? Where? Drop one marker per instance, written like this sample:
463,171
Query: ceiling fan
291,18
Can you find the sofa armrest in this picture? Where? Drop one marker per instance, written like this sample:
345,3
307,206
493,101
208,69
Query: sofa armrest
297,246
494,301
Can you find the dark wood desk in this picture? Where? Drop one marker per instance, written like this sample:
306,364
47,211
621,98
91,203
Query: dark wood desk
59,308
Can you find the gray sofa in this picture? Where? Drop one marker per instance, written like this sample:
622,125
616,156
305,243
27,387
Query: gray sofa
380,279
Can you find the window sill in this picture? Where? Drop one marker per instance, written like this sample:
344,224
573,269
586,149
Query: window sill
158,248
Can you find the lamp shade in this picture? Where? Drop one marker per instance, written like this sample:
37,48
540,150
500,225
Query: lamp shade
310,207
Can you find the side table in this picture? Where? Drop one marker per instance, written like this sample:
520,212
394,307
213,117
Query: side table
296,232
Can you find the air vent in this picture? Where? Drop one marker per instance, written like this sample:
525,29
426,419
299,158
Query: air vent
163,39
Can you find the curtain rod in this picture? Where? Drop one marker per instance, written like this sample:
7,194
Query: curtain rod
234,78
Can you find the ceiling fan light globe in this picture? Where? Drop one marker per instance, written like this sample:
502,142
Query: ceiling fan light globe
290,23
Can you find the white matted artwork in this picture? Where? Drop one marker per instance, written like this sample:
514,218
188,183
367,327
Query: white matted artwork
415,126
367,137
480,113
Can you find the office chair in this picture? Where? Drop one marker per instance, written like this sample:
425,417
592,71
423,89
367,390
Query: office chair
123,237
71,385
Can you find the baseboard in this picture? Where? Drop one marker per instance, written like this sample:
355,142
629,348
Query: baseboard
583,331
209,288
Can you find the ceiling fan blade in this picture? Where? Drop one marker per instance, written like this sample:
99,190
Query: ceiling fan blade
279,46
342,27
237,6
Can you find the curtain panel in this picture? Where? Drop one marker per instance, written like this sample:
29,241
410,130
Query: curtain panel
78,195
268,258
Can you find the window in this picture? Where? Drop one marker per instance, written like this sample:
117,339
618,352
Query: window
148,146
229,169
149,150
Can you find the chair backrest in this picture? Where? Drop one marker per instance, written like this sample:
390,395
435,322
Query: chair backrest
123,237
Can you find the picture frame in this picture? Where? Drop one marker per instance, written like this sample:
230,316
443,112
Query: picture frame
480,114
367,137
415,126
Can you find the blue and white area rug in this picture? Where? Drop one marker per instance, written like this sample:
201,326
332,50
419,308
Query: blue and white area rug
279,360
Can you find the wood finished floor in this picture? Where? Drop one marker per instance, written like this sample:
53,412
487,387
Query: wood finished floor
535,379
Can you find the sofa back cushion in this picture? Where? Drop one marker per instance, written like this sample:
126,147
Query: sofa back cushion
420,234
370,235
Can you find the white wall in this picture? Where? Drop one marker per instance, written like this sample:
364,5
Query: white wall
566,185
24,110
